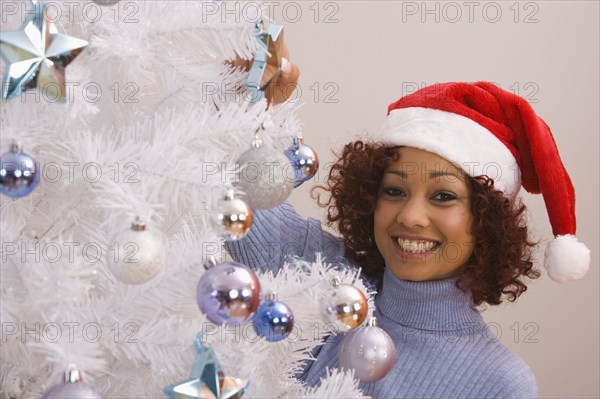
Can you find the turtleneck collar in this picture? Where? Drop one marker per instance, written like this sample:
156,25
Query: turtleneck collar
435,305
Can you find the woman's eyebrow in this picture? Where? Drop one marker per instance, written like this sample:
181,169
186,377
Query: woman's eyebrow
439,173
430,175
400,173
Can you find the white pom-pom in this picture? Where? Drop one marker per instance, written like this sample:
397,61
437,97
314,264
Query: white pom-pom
566,259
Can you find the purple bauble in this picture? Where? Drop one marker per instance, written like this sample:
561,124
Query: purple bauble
228,293
73,390
369,351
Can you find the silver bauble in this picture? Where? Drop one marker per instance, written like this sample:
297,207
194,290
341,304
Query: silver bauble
73,388
369,351
106,3
136,255
233,217
266,177
79,390
347,308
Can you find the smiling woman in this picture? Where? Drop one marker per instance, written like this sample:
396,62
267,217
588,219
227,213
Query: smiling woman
422,220
426,219
437,236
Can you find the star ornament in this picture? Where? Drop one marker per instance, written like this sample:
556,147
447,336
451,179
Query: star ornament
207,380
266,65
37,55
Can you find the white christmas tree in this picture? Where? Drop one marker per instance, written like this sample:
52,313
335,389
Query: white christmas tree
152,126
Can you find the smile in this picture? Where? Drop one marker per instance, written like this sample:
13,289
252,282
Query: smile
416,246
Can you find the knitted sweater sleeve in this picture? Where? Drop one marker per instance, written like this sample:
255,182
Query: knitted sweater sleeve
279,233
514,380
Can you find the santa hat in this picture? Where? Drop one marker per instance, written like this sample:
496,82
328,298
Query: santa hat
488,131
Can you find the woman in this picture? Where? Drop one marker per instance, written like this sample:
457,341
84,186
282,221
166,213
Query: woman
428,209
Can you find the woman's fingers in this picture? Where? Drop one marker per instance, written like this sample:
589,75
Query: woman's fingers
283,83
286,83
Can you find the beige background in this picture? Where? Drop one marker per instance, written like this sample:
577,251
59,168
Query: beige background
370,57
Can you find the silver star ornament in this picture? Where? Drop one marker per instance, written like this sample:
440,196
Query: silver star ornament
207,380
37,55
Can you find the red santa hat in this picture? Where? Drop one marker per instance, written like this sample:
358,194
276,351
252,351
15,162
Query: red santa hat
488,131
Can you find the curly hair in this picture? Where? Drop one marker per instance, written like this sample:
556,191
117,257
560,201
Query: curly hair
502,254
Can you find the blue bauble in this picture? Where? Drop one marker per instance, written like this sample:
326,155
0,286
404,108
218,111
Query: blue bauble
304,161
274,320
228,293
19,173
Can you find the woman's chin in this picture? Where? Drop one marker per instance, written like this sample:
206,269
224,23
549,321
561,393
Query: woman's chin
419,273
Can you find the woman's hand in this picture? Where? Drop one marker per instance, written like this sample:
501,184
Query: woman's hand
282,85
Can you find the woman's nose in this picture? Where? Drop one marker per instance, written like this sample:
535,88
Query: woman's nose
413,213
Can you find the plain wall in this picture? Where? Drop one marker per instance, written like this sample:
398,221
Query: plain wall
370,53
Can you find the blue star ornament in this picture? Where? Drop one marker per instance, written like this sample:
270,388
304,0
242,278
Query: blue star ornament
37,55
207,380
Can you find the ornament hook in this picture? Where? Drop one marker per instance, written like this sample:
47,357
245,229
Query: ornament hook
16,146
138,224
210,262
272,296
72,375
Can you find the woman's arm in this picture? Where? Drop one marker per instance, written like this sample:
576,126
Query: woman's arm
279,233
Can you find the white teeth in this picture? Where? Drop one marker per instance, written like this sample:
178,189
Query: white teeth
416,247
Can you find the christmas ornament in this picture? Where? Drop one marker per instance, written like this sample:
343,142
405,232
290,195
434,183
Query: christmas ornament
273,320
263,176
233,387
136,255
347,308
106,3
233,218
37,55
369,351
19,173
207,379
73,387
304,160
228,292
266,63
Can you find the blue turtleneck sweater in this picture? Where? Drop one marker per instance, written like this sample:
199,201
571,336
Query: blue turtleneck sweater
444,348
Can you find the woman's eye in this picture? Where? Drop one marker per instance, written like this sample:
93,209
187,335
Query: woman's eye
394,192
444,197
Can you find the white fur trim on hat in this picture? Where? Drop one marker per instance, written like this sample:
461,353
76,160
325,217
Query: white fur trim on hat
566,259
456,138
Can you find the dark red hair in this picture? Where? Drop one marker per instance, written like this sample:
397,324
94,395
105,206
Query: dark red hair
502,253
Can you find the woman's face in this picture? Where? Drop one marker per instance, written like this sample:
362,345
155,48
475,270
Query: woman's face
422,220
